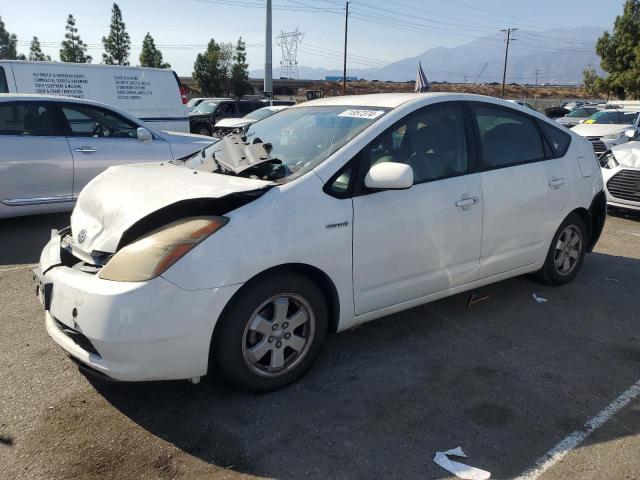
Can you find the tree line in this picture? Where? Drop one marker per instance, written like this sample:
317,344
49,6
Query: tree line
619,54
221,69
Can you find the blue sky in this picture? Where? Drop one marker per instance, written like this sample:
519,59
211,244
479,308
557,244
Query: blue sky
380,31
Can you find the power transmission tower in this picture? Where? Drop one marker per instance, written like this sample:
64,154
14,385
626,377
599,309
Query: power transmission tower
508,39
344,66
537,73
289,43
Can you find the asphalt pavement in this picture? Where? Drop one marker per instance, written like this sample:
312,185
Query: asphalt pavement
506,378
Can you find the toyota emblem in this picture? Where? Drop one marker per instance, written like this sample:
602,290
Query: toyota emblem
82,236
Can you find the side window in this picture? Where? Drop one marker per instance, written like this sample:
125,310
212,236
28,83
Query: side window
507,137
85,121
432,141
4,86
558,140
226,108
246,107
28,119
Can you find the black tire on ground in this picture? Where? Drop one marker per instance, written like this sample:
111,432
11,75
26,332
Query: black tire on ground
552,273
233,339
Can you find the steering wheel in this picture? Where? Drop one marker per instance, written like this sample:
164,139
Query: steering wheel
100,130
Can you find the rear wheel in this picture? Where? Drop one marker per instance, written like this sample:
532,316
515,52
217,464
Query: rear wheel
566,252
271,333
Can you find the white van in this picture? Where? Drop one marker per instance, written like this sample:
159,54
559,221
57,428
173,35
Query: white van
153,95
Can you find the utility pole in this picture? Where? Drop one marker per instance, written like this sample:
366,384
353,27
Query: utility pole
344,68
268,67
537,73
465,79
508,31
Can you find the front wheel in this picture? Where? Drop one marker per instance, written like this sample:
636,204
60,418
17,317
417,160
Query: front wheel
271,333
566,252
203,130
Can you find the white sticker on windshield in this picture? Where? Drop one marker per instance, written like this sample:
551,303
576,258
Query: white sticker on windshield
358,113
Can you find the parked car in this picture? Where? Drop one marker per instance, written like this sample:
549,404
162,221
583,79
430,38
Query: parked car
51,147
194,102
609,127
152,95
621,173
204,116
556,112
228,125
576,116
326,215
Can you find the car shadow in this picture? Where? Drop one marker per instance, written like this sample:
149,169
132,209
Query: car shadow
22,238
506,378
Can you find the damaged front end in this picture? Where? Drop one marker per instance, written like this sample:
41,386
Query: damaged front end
133,222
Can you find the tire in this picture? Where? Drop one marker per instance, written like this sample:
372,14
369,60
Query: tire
203,130
256,346
565,259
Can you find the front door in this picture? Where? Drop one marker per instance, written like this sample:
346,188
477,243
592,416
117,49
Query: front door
100,138
36,166
426,239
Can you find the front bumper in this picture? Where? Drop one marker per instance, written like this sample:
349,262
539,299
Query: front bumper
132,331
622,186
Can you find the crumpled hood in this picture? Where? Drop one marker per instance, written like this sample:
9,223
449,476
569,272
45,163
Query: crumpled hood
570,120
628,154
234,122
595,130
122,195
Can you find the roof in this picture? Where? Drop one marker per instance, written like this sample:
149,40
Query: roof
389,100
37,96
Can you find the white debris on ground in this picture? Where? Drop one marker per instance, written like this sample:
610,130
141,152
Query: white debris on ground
460,470
539,299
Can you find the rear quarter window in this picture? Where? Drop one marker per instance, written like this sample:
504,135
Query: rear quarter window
558,140
4,86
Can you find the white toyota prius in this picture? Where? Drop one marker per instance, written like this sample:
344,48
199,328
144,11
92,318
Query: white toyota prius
331,213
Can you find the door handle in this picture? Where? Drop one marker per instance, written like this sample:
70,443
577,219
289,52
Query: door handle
466,203
87,149
556,183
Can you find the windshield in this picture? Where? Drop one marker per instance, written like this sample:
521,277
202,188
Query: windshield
260,113
618,117
297,140
582,112
205,107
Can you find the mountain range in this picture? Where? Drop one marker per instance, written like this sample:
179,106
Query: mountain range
559,55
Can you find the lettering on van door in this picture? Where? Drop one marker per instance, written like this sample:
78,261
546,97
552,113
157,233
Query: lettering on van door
130,87
66,84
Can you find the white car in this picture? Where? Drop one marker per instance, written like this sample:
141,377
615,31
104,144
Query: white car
327,215
621,174
607,128
227,125
52,146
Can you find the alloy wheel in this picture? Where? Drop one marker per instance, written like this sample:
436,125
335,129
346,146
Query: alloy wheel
568,250
278,335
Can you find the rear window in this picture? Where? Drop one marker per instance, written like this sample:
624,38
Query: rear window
558,140
4,86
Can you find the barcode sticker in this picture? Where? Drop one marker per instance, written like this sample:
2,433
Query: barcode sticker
360,113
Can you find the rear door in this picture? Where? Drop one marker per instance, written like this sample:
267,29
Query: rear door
100,138
36,166
524,190
426,239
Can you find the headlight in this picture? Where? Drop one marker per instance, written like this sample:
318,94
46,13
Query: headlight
614,136
154,253
609,161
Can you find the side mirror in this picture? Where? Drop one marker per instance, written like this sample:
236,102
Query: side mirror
144,135
389,175
630,134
